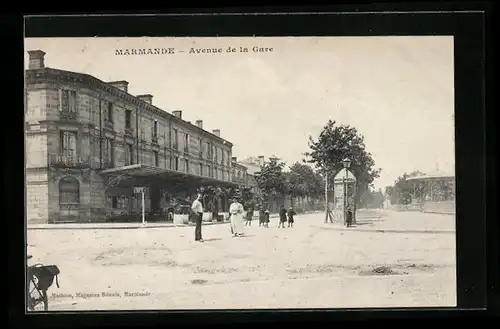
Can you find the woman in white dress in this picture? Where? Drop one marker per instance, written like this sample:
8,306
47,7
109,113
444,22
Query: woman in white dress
237,211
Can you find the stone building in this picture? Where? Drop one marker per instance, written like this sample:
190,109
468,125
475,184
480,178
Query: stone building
239,173
253,165
244,174
90,142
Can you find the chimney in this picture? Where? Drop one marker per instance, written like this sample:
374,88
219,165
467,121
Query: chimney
36,59
216,132
177,113
122,85
261,160
148,98
199,123
234,159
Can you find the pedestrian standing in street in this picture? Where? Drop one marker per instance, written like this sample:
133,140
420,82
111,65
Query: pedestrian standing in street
282,217
262,216
236,212
266,220
349,217
197,209
249,215
290,214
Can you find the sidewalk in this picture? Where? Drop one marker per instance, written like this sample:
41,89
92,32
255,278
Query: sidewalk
397,222
93,226
340,227
114,226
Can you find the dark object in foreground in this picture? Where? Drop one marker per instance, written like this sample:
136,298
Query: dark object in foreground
39,279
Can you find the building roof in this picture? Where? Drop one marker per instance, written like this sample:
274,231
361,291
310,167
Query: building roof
342,174
433,175
43,74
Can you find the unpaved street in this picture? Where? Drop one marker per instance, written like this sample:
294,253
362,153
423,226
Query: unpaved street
311,265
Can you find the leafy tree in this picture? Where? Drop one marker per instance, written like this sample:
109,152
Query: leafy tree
303,181
271,179
405,191
297,179
335,143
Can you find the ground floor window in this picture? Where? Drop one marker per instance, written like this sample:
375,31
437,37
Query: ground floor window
69,196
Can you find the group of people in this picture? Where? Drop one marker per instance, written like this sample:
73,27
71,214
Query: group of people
238,215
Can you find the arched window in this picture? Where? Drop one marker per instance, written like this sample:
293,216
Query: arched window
69,191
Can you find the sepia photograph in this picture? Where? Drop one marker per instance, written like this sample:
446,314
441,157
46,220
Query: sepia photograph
183,173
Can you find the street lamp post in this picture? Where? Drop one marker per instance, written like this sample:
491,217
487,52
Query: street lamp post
347,163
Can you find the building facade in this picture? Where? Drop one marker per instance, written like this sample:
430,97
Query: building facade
88,143
244,173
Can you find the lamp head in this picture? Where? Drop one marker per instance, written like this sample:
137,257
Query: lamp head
346,162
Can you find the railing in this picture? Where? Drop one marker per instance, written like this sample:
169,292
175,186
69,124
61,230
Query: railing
129,131
68,115
108,124
66,161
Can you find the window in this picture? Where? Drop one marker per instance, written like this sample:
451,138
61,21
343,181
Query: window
128,119
176,137
155,128
209,171
201,147
186,141
207,150
68,145
129,154
223,153
69,196
201,169
122,202
215,153
187,165
108,154
67,100
109,116
114,202
156,159
176,163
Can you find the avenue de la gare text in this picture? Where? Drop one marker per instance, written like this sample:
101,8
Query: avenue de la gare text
192,50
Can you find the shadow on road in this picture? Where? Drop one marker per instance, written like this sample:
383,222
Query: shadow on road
212,239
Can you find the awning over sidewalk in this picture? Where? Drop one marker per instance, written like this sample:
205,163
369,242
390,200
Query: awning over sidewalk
141,174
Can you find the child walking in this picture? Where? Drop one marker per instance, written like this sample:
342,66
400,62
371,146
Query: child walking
291,213
262,216
282,217
249,215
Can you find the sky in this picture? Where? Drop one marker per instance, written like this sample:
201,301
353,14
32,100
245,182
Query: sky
398,92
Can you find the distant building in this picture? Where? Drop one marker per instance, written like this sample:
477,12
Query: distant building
253,165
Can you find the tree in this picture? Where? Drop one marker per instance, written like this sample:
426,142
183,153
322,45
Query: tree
271,178
405,191
337,142
296,179
303,181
